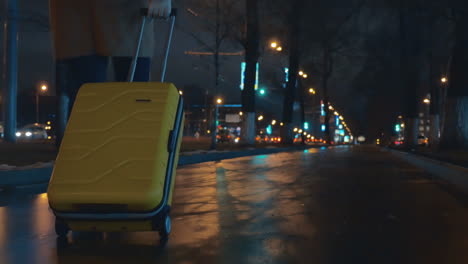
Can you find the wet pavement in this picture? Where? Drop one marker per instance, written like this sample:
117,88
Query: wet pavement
341,205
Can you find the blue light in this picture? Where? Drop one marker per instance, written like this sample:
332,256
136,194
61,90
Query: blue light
337,120
340,126
262,92
323,110
243,67
397,128
323,128
306,125
269,130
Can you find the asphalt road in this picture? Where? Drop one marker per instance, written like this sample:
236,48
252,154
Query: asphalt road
342,205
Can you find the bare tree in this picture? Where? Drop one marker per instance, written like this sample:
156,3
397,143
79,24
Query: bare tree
455,130
216,24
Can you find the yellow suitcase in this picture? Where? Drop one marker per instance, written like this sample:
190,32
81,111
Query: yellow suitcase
116,165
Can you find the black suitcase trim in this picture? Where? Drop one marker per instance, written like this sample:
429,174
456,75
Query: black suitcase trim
119,216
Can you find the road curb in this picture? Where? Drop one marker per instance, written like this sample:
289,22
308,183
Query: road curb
31,176
451,173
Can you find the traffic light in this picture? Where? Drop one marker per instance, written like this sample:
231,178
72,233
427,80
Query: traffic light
397,128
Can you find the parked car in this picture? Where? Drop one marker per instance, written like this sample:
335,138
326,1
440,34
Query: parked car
32,132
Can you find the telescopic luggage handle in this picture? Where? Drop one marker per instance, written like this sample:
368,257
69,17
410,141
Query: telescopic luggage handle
144,12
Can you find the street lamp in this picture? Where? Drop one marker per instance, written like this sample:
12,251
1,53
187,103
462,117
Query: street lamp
274,45
444,79
427,101
301,73
305,76
219,101
279,49
312,91
260,118
241,113
273,122
42,89
181,93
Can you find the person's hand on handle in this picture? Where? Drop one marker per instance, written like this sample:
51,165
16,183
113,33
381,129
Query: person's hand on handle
159,8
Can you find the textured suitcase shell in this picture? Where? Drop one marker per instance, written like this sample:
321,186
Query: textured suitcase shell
114,155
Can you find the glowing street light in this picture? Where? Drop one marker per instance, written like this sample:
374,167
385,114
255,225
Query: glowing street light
279,49
181,93
241,113
43,88
219,101
305,76
312,91
295,129
273,122
274,45
260,118
427,101
281,124
341,118
301,73
444,80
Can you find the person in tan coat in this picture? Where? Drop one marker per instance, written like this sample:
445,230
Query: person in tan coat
86,33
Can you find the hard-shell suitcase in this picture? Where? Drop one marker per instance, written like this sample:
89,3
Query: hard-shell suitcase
116,166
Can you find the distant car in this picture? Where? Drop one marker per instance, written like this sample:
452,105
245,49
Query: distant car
224,136
32,132
423,141
262,138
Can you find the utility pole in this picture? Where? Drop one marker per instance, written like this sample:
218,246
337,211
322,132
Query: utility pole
10,70
214,125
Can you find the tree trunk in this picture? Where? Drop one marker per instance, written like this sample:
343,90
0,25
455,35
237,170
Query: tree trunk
409,59
434,111
302,103
251,59
326,99
294,54
455,135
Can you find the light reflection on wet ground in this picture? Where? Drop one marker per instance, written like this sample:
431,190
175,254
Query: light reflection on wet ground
340,205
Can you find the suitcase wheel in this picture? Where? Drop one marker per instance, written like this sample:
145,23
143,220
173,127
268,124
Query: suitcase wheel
61,228
165,230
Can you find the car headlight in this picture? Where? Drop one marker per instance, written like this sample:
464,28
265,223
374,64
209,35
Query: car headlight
28,134
18,134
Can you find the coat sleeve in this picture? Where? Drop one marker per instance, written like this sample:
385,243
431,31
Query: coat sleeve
117,26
